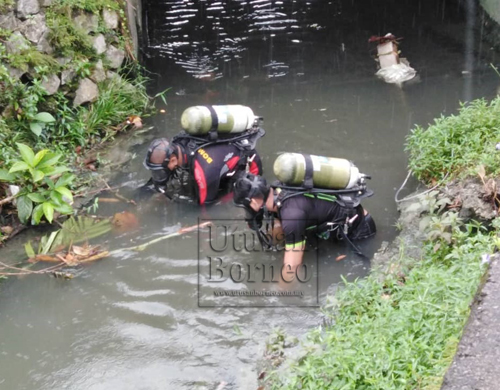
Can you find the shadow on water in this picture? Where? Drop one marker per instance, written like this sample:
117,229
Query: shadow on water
133,321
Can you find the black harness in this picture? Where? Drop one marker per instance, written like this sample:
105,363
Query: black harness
350,198
245,142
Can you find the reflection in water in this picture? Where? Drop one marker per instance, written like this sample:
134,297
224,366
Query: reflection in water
201,36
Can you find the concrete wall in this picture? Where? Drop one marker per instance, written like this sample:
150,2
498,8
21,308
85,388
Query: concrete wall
492,7
134,17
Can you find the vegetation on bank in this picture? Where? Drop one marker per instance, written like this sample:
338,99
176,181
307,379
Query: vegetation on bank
401,333
399,328
455,145
35,124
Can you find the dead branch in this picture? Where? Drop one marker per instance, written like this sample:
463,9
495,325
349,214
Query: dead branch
8,199
141,247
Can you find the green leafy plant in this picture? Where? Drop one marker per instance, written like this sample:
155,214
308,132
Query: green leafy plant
39,121
39,195
83,68
73,231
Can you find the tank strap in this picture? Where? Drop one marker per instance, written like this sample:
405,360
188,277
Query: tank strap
308,177
212,133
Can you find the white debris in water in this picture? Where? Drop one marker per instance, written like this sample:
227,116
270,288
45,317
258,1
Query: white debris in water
396,74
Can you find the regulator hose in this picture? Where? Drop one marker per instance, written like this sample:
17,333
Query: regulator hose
416,195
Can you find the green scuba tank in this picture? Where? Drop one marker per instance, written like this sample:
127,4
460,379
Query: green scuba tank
327,172
198,120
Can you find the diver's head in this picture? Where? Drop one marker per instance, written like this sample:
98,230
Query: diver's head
161,159
251,193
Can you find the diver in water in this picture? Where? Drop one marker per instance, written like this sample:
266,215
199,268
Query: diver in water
300,212
198,168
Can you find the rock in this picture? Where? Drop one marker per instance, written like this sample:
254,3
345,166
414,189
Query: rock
45,3
67,76
99,74
111,75
16,43
115,57
110,19
99,44
63,60
34,28
15,73
87,22
87,92
44,45
470,194
9,21
26,8
51,84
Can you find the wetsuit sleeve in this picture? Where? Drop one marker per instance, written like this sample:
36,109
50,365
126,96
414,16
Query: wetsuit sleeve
293,222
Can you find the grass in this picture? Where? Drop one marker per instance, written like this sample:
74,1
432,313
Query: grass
118,99
399,334
5,5
88,5
457,144
34,58
67,38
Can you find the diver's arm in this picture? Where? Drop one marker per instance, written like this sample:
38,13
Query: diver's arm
294,254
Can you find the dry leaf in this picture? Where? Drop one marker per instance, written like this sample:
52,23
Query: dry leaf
125,221
109,200
6,229
481,172
262,375
81,251
90,160
386,297
70,260
52,259
341,257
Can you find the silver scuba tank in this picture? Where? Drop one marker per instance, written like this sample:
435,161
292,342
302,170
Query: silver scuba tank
327,172
198,120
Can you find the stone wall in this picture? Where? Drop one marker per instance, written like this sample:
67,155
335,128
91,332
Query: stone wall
25,28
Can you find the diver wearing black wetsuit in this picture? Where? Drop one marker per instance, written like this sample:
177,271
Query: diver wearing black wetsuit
303,213
208,168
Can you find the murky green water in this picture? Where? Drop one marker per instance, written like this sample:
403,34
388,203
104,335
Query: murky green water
133,321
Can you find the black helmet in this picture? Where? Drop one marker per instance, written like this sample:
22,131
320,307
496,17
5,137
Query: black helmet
157,159
250,186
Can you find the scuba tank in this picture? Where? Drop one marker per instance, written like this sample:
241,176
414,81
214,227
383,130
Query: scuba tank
295,169
201,120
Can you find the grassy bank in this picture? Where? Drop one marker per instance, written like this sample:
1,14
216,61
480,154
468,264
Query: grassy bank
399,328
